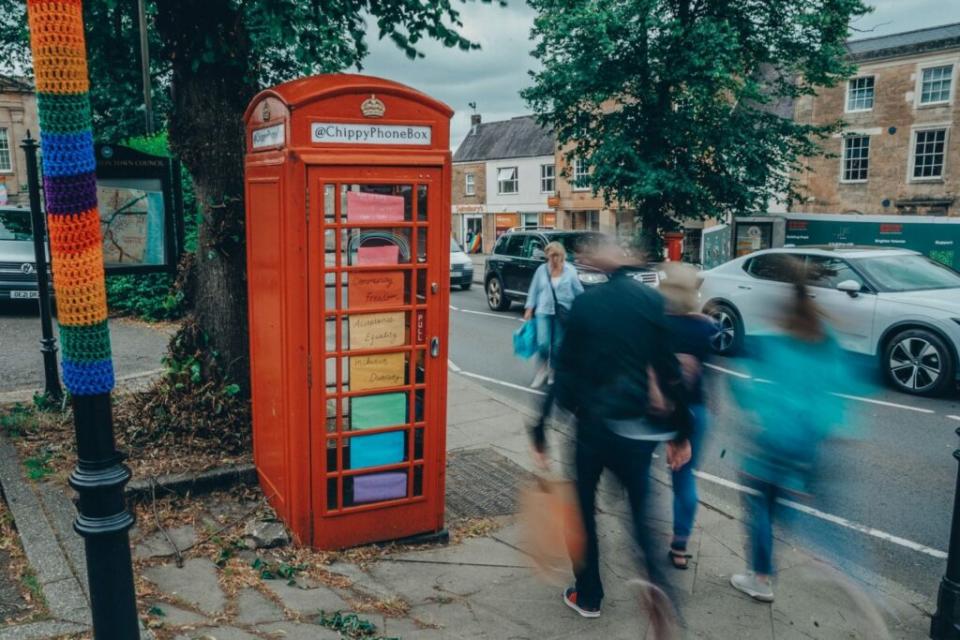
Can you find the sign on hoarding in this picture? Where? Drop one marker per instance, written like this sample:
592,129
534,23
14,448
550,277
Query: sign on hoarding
937,238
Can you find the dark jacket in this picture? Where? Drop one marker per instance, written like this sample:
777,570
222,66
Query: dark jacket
615,331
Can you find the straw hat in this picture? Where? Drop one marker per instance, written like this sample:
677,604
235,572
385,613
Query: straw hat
680,285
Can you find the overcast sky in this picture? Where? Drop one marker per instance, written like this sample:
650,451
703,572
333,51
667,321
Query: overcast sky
493,76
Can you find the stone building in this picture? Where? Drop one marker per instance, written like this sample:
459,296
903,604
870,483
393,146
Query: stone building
897,152
504,176
18,113
579,208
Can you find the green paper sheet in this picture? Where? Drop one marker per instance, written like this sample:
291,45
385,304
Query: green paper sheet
380,410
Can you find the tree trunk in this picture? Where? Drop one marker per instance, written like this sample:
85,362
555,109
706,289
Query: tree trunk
206,132
651,224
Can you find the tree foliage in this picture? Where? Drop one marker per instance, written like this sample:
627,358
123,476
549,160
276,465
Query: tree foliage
681,107
208,59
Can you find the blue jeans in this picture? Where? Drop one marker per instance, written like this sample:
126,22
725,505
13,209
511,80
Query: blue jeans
549,335
761,510
685,483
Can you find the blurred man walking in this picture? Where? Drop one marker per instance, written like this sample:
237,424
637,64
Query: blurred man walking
617,374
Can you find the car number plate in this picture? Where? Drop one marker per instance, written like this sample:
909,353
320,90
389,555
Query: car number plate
25,295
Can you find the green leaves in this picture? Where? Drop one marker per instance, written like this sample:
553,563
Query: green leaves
350,626
683,110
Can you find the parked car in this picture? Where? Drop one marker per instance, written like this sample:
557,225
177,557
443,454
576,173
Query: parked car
518,253
18,273
894,305
461,267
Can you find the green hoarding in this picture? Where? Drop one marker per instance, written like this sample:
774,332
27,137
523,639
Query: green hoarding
938,238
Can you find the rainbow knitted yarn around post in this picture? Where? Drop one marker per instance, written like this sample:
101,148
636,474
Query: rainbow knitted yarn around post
70,187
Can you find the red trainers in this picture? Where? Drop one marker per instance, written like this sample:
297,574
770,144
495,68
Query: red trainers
570,597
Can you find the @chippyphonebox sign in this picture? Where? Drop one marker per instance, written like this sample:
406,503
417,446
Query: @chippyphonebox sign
343,133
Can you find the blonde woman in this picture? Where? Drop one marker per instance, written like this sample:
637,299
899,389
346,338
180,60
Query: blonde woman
552,290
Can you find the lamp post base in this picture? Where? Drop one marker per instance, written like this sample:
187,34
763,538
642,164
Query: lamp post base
945,624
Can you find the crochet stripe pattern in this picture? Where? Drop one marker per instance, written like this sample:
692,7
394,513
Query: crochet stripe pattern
70,188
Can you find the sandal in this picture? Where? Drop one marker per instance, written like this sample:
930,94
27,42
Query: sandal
679,557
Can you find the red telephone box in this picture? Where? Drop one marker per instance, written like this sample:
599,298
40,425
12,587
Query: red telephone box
347,184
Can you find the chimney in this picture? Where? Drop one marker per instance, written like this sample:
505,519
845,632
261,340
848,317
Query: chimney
474,122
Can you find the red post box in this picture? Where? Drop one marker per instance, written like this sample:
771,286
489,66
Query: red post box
347,185
674,245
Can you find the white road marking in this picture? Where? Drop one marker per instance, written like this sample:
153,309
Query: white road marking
730,372
954,418
829,517
499,316
884,403
502,383
453,367
454,308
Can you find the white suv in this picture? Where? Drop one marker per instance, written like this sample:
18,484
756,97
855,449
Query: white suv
896,305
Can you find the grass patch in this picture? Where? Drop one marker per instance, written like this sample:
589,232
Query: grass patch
17,420
39,467
32,585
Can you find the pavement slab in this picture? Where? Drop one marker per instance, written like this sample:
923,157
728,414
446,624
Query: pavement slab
174,616
157,545
288,630
255,608
196,584
307,601
475,411
474,551
217,633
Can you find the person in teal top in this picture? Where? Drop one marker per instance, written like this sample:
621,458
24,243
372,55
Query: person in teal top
554,284
793,397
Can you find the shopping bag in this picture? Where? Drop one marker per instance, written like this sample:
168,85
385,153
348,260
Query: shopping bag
552,529
525,340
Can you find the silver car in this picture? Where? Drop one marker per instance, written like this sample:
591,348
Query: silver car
895,305
18,277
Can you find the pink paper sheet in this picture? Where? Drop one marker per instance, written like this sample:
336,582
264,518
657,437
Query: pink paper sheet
387,254
374,207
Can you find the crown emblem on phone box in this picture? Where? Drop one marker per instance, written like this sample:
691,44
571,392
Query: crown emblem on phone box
373,107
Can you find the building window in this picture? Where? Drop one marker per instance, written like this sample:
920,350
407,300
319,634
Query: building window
856,158
469,188
935,84
5,151
593,220
547,178
928,153
581,175
507,180
531,220
860,94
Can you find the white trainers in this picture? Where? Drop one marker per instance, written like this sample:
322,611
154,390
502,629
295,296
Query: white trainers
541,378
749,584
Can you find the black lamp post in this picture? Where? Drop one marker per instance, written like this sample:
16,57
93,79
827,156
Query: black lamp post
100,475
946,621
48,344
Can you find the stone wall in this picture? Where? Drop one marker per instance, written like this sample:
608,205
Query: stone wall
896,114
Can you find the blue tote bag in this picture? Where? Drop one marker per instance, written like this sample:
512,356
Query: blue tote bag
525,340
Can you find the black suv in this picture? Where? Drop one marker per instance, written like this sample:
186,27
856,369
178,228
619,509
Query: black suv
517,255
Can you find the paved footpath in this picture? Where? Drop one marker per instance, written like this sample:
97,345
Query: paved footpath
485,587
